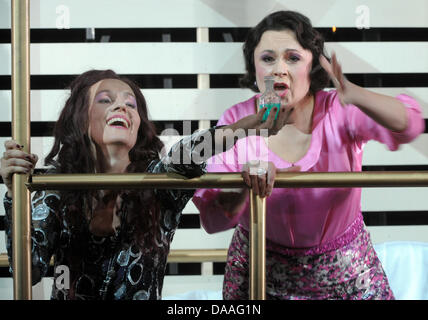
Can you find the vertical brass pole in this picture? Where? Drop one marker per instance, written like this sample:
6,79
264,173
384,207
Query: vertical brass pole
21,217
257,247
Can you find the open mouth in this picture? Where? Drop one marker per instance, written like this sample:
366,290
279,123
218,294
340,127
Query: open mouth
118,122
280,86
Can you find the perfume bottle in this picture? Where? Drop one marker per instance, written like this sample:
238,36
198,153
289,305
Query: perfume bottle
269,98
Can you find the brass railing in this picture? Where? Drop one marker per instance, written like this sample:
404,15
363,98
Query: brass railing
21,215
21,220
231,180
176,255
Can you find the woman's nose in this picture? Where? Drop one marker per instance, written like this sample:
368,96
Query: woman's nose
280,69
121,106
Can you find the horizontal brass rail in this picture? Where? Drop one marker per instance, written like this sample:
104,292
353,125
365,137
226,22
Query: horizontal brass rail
228,180
191,255
205,255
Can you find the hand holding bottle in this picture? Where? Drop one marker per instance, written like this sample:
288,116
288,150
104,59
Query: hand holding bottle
255,125
270,99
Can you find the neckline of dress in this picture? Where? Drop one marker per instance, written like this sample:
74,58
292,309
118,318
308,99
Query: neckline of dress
314,138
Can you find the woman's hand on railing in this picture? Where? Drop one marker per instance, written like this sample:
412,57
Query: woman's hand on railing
260,176
15,160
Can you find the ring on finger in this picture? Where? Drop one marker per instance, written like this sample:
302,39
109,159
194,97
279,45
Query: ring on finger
254,163
261,171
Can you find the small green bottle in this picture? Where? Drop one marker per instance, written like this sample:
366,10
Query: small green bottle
269,98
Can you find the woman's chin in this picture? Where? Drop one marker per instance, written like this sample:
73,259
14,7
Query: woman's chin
119,143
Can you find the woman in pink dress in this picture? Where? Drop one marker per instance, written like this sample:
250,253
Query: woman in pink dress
317,244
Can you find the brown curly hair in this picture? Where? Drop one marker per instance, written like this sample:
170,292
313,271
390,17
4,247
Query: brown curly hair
306,35
71,153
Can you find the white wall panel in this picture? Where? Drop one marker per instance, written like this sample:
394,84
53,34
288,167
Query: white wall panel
190,208
2,193
216,13
194,58
2,238
175,285
200,239
394,199
6,289
414,153
381,57
41,291
399,233
131,58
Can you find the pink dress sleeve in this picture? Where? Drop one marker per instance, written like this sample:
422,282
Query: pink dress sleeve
362,128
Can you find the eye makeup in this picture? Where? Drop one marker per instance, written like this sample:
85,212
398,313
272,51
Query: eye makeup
269,56
102,96
293,56
130,99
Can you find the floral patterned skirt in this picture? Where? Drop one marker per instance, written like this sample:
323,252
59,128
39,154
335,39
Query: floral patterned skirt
351,271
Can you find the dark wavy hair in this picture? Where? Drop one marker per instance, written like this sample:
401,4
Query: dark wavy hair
306,35
72,153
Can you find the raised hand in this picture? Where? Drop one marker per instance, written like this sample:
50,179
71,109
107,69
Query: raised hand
343,86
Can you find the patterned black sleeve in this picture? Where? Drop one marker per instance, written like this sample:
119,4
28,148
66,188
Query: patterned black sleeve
44,231
185,159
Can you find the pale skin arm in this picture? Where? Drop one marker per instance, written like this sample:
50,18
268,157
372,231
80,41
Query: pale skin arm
385,110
